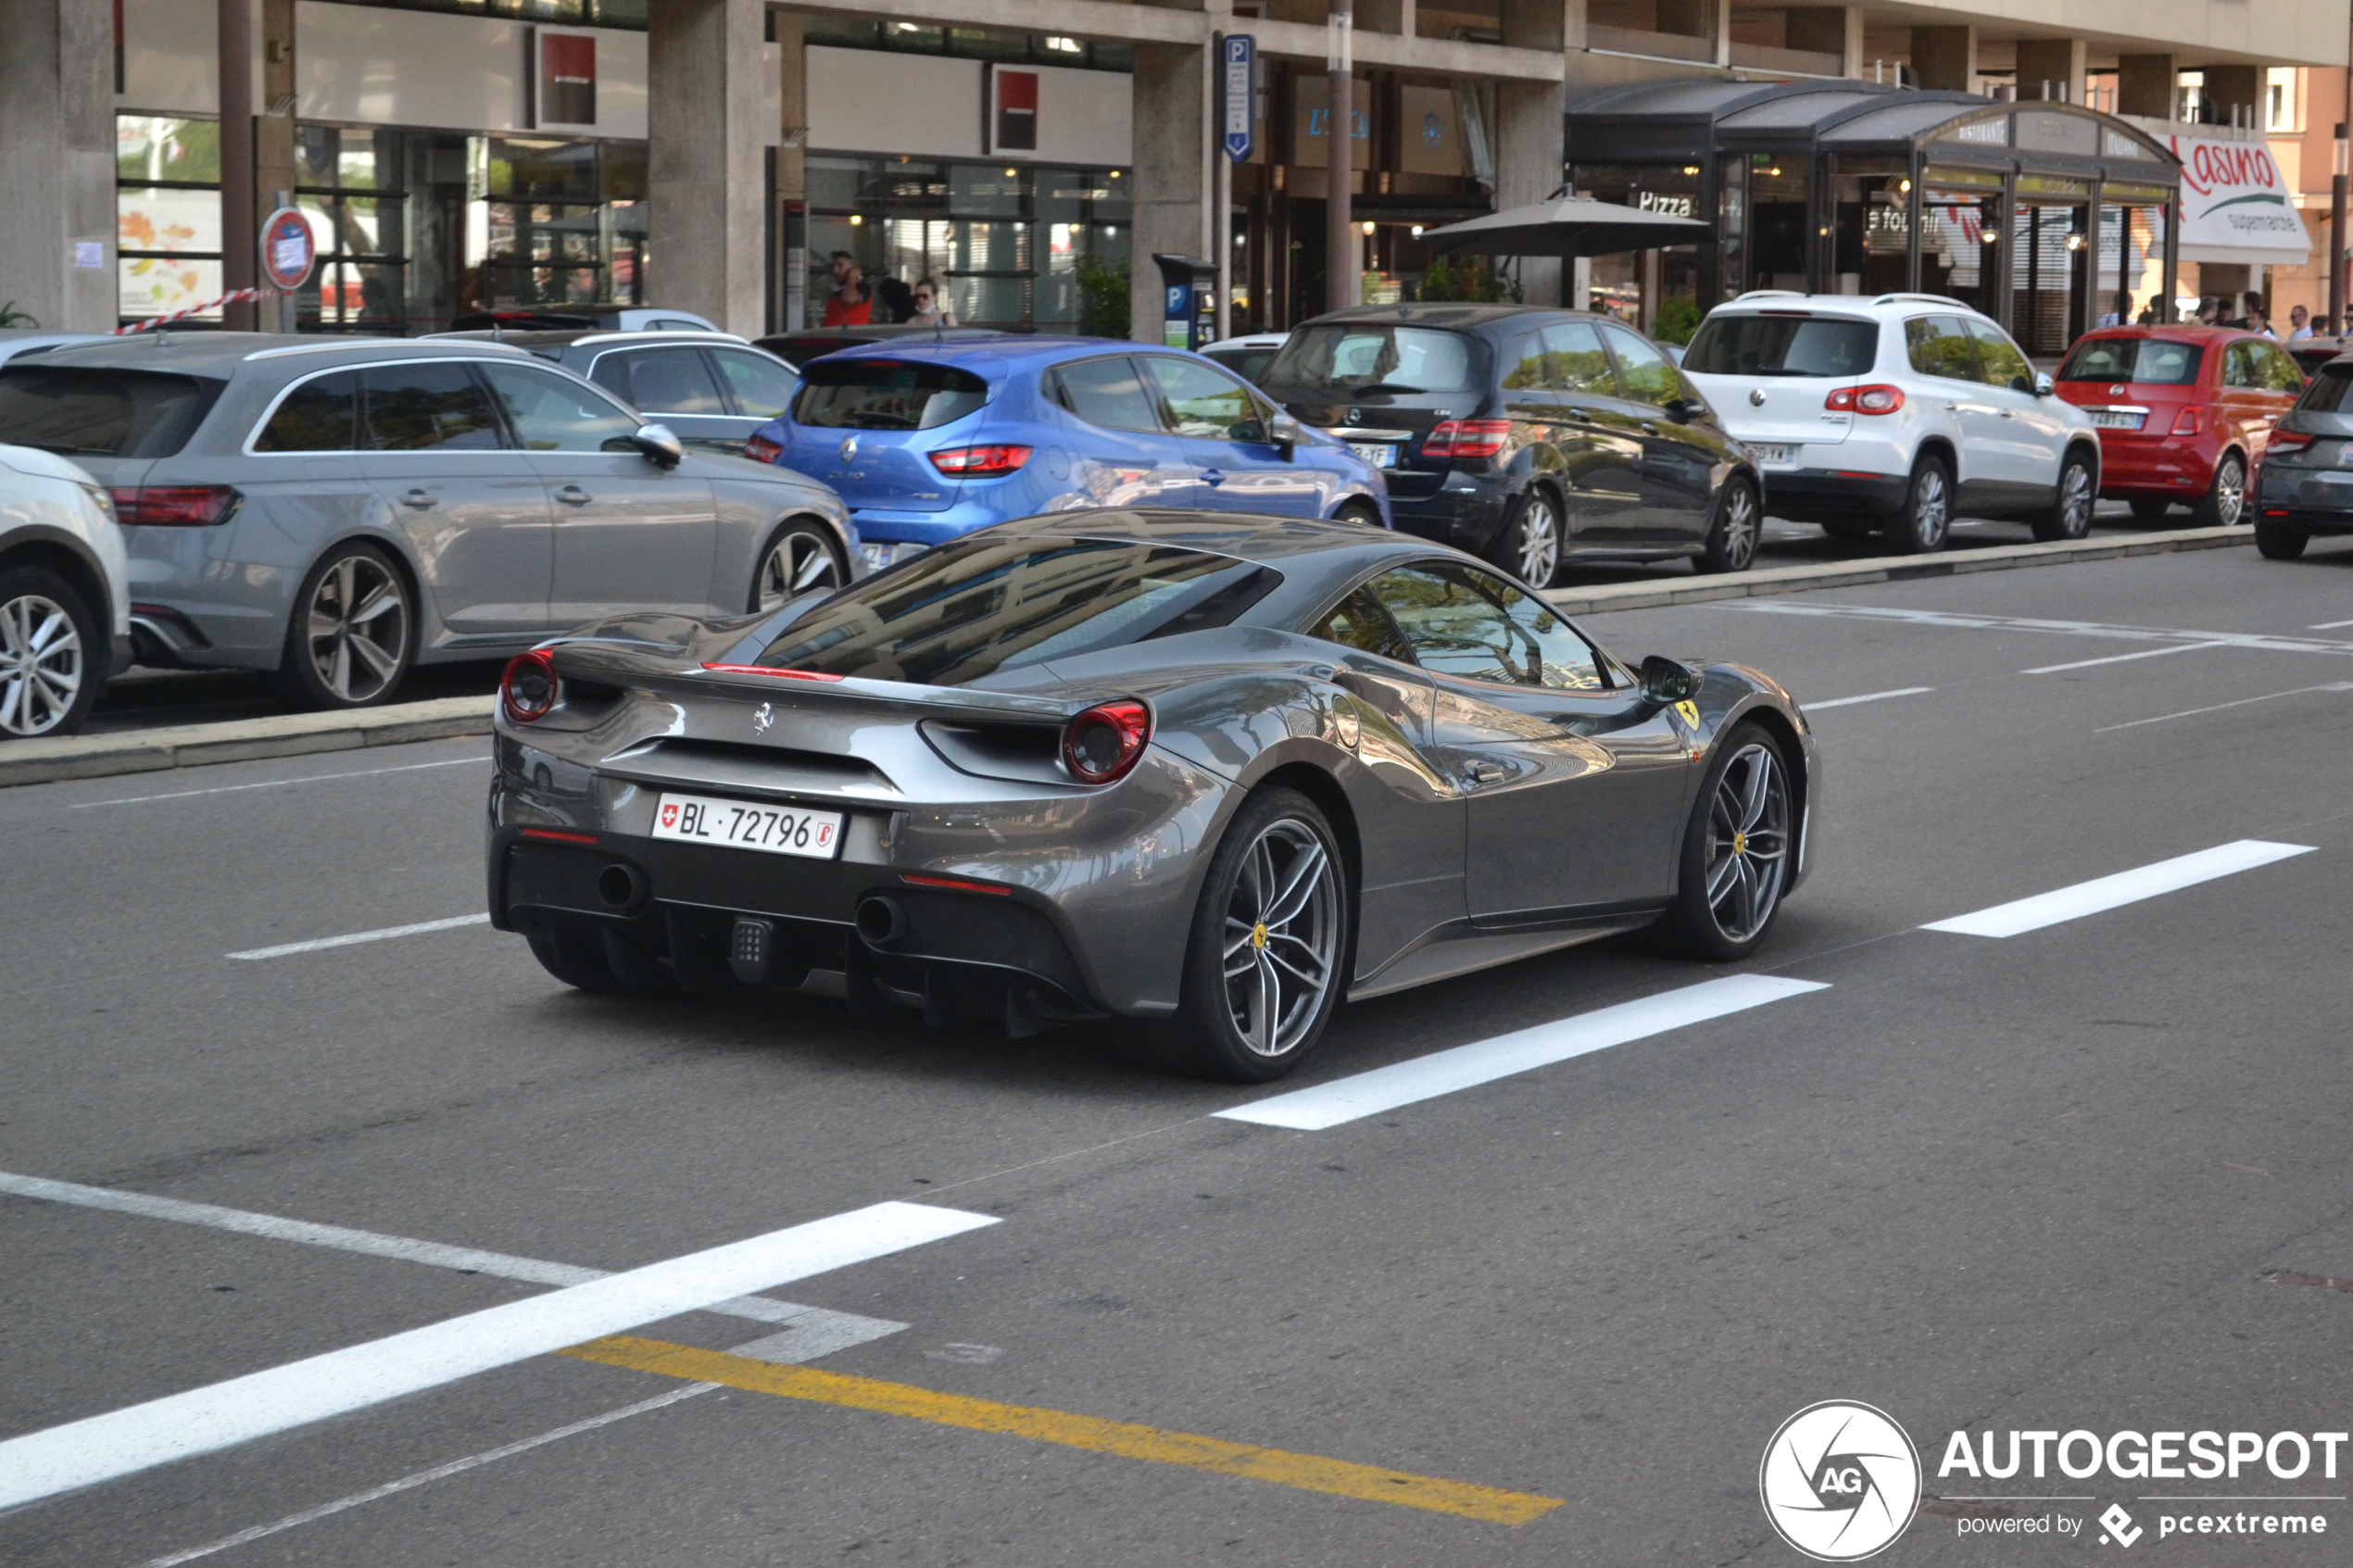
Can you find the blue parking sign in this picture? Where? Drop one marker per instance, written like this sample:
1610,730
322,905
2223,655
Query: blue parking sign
1241,53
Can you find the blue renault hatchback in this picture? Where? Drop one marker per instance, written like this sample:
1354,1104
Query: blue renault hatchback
928,441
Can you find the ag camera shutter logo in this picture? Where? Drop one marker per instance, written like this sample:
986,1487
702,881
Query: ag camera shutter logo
1840,1481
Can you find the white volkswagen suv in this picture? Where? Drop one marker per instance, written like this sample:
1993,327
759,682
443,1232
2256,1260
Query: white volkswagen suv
1891,414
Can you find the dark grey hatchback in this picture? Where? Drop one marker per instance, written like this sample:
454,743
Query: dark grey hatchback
1525,435
2304,485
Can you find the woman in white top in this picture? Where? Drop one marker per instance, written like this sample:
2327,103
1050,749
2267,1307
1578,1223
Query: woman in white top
930,309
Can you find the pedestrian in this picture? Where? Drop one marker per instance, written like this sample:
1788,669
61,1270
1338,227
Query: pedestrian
896,300
2299,323
2122,314
2209,311
852,303
2256,321
930,309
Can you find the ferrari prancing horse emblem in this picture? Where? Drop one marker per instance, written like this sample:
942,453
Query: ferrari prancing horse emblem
764,715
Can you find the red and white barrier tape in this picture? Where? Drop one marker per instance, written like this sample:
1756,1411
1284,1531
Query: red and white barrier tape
233,298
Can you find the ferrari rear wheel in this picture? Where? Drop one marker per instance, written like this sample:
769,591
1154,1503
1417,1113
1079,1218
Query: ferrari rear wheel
1264,967
1739,851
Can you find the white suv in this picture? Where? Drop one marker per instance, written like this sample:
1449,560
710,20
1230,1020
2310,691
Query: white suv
1892,413
65,599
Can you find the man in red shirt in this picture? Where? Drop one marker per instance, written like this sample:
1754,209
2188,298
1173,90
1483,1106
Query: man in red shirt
852,303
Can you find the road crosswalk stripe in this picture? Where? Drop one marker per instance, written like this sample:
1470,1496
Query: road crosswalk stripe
2062,904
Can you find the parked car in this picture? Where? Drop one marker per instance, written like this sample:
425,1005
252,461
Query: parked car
798,348
585,318
2182,412
711,389
1526,435
927,442
338,509
17,343
2304,485
1247,355
2311,353
1892,414
1165,765
65,603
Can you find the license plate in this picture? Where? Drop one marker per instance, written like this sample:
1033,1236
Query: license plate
1765,453
1380,454
778,830
2115,419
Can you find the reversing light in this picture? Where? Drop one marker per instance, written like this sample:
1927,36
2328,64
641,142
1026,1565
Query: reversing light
1101,744
980,462
527,691
759,449
174,506
1466,438
2189,422
1865,400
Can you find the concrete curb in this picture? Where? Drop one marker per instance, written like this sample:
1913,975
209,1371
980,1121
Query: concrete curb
241,740
1886,568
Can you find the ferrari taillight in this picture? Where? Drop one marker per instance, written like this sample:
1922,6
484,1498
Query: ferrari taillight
1102,745
527,691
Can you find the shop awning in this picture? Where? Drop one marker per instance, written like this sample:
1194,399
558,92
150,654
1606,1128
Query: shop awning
2235,207
1568,226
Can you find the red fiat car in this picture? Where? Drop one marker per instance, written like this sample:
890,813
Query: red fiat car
2182,412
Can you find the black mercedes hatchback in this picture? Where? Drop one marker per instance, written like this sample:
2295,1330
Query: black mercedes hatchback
1525,434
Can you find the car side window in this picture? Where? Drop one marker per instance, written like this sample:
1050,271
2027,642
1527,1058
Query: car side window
1999,358
761,386
1938,345
1650,375
1574,360
553,413
670,381
1204,402
1522,361
433,407
1109,393
1358,621
322,415
2276,370
1567,660
2238,365
1457,624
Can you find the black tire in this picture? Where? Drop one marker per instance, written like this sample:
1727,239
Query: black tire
1848,528
2149,508
2069,514
1926,520
2277,541
1721,835
353,633
2224,503
1733,536
53,655
799,556
1360,512
584,959
1530,545
1204,1040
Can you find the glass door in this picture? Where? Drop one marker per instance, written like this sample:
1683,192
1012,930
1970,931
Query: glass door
2050,270
1961,236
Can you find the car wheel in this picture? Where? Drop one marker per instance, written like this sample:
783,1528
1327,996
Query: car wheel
1530,545
798,559
353,630
52,654
1263,964
1359,513
1737,848
1731,539
2069,514
1927,518
2224,503
2149,508
2277,541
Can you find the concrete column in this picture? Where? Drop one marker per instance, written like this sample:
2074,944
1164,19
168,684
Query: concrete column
791,168
705,163
273,135
1827,30
1171,192
2058,62
1944,58
2236,94
56,161
1527,128
1688,19
2144,85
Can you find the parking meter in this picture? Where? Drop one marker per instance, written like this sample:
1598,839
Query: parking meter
1188,300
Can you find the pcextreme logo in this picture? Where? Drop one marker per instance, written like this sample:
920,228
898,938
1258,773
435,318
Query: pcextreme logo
1840,1481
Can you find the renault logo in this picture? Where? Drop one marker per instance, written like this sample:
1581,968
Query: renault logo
849,449
1756,397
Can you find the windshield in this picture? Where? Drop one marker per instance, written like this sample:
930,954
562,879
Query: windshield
1349,357
102,413
1782,345
885,394
2151,361
968,608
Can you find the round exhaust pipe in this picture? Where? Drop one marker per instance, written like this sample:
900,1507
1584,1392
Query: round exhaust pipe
881,921
619,885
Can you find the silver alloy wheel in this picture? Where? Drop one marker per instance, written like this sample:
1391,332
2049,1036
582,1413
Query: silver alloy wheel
1282,937
1740,527
1931,508
1540,541
797,562
41,665
1748,843
2075,501
357,630
2229,490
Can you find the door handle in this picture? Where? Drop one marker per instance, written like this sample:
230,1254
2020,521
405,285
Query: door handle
420,499
1212,477
572,495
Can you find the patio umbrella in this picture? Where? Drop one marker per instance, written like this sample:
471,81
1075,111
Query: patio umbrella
1565,226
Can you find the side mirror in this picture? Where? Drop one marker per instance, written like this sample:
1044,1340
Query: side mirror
1682,410
2044,385
659,446
1668,680
1283,431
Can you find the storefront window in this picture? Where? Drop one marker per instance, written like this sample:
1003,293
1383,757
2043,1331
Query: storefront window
1960,235
1871,201
1638,286
167,215
1780,188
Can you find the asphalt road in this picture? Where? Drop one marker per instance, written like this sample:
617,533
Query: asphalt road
2031,1182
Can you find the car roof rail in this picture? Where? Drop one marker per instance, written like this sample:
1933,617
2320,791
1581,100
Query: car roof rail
1927,300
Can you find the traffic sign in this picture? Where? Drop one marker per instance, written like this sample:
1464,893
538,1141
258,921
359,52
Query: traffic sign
1240,57
288,250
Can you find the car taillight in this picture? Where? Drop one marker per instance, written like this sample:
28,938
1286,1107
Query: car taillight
2189,422
2287,441
173,505
1102,743
980,462
527,691
1466,438
1865,400
759,449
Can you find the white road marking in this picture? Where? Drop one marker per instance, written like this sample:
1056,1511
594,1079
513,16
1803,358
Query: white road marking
2329,625
2124,887
2122,658
387,934
1866,696
1483,1061
122,1442
2217,707
2062,628
281,784
812,1320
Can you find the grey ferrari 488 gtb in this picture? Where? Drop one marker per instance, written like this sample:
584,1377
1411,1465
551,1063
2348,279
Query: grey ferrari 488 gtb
1209,772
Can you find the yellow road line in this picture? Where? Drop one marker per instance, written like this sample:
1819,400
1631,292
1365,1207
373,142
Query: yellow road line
1307,1471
